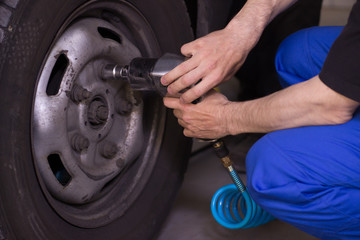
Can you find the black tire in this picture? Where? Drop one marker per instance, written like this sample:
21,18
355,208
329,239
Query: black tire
27,31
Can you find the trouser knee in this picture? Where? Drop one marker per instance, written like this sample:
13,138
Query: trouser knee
260,166
301,55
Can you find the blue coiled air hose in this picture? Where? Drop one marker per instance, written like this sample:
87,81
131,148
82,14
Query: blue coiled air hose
232,205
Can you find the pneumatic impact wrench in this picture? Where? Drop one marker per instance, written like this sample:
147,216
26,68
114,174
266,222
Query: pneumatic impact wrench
144,74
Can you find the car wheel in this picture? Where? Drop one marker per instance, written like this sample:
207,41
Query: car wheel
84,158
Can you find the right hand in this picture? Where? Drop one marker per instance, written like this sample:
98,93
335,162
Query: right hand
207,119
212,59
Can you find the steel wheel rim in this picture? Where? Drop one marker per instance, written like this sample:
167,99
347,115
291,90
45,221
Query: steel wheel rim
86,110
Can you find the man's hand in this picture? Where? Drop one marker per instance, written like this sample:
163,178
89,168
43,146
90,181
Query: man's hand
216,57
213,59
206,119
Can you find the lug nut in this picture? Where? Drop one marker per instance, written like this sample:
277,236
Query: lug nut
102,113
122,105
79,94
98,113
137,98
79,143
108,150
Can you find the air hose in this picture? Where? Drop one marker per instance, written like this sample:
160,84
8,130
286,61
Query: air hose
231,205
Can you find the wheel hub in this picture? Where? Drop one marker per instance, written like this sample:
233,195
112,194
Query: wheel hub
98,112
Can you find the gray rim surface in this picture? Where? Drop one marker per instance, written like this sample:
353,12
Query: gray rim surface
88,133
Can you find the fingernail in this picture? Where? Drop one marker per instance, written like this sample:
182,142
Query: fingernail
163,82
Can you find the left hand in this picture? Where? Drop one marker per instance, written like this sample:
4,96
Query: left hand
213,59
203,120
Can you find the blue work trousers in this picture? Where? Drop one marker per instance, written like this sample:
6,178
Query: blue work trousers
309,176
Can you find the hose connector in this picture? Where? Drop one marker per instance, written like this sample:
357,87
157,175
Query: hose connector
220,149
223,153
226,162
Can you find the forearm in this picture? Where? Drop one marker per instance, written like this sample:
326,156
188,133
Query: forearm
255,16
304,104
216,57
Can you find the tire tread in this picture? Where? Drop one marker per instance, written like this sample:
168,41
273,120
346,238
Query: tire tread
7,7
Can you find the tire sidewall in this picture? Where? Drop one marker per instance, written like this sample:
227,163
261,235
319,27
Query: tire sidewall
20,194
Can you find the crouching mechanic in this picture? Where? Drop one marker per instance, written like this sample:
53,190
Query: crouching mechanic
306,171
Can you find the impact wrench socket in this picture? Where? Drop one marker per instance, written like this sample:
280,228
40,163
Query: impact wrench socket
144,74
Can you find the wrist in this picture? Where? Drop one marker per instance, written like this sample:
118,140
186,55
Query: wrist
232,122
251,21
245,32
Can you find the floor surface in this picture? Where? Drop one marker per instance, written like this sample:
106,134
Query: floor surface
191,216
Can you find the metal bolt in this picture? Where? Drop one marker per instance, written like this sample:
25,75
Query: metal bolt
98,112
122,105
79,94
108,150
102,113
137,98
79,143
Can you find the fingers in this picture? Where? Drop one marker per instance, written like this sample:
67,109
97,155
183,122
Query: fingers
175,104
209,79
178,114
200,89
187,73
177,72
188,49
196,123
172,103
182,123
185,81
187,132
180,70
